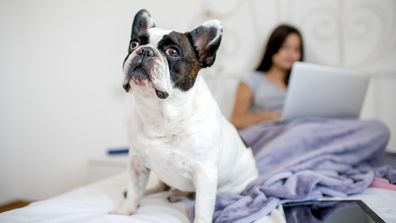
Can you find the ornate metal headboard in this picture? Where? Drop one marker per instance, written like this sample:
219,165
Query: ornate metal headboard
357,34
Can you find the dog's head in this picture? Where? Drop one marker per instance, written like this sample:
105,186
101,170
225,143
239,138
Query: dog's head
161,61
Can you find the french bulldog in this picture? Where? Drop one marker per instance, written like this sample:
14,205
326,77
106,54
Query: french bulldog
177,129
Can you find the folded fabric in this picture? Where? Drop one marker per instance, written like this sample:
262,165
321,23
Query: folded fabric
305,159
388,172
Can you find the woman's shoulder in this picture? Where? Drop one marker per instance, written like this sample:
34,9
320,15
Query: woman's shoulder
256,75
254,79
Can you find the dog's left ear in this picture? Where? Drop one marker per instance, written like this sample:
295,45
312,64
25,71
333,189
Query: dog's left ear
205,40
142,22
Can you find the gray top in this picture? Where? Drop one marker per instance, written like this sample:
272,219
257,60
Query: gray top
266,96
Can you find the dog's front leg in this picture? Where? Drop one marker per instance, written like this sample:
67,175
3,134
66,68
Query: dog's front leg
205,183
138,177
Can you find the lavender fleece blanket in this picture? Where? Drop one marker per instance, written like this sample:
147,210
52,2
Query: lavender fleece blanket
306,159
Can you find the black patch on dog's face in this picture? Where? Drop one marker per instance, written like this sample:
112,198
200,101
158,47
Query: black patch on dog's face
183,68
140,38
141,23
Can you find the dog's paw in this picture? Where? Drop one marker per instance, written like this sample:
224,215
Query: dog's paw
122,211
177,196
174,198
125,209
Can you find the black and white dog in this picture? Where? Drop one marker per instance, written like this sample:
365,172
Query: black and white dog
177,129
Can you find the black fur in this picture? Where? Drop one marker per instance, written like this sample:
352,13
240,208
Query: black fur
141,22
184,69
200,39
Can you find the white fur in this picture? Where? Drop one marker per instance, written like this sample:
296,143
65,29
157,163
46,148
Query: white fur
188,143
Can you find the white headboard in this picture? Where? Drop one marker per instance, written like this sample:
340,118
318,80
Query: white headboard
358,34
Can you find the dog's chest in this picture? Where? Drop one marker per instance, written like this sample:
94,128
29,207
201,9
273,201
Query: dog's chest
175,138
172,168
171,162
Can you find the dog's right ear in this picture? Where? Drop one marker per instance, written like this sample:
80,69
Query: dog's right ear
142,22
205,40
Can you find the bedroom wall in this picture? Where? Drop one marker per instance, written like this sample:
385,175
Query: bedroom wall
60,71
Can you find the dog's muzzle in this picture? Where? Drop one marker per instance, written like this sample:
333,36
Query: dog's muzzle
139,70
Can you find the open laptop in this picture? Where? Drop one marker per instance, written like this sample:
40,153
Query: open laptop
323,91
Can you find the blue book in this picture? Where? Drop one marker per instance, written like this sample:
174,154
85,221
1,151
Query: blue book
118,151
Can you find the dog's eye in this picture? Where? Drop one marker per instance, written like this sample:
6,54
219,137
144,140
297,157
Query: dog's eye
133,45
172,52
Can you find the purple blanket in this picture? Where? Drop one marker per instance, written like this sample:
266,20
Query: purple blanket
305,159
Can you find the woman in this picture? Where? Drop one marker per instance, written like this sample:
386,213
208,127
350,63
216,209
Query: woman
261,95
301,159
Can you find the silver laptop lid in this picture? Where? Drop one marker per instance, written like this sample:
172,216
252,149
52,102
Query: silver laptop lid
323,91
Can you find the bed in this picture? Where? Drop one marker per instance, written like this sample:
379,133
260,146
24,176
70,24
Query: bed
94,202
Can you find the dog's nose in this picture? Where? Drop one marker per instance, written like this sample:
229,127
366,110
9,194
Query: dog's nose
146,52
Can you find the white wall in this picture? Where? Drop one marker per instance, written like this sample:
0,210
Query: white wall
60,71
61,93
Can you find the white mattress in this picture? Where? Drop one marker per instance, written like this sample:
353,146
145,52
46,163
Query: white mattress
92,203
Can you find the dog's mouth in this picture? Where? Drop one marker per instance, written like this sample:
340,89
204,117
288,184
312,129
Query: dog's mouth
141,77
161,94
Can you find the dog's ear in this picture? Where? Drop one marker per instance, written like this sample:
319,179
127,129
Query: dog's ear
142,22
205,40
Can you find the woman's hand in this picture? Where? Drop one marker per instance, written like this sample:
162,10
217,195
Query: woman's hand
274,116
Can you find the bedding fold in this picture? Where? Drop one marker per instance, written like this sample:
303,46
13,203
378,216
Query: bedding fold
306,159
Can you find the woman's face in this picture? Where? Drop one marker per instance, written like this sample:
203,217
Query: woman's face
289,52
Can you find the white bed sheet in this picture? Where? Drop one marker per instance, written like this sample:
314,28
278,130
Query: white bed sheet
92,203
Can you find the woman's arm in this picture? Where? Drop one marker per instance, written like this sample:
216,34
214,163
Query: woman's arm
241,116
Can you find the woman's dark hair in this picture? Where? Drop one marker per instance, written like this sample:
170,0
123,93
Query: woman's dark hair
274,43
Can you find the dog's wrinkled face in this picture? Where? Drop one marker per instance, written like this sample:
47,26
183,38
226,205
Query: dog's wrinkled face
160,61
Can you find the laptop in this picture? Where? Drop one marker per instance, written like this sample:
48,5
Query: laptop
323,91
